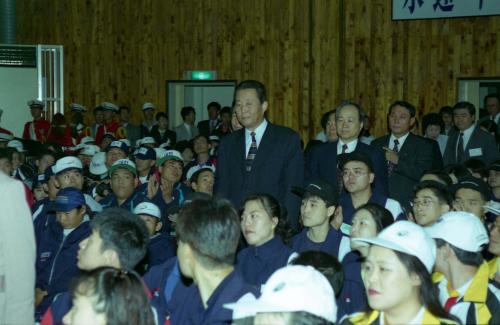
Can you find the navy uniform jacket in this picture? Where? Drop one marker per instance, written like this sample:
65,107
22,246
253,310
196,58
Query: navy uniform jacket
161,247
301,242
352,298
167,287
256,264
110,201
348,208
56,262
179,193
41,215
481,146
277,167
192,312
415,157
60,306
322,163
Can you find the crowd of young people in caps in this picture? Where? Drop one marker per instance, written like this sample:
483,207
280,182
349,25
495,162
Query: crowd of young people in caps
230,221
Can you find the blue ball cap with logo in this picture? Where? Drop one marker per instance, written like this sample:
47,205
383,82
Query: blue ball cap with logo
145,153
68,199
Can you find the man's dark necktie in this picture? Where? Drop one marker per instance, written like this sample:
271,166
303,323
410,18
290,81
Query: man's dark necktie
391,166
251,153
340,183
460,149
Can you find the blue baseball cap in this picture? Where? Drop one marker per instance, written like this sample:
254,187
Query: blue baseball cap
68,199
145,153
119,145
40,179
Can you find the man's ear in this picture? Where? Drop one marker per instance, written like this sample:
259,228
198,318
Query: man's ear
264,106
158,226
330,210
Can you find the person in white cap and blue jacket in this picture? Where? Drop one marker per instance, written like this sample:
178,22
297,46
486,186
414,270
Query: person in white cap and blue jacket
123,174
58,246
161,246
465,289
167,191
397,278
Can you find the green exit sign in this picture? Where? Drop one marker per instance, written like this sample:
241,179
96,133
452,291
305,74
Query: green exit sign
201,75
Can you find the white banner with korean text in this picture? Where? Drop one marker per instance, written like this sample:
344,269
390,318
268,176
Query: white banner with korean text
430,9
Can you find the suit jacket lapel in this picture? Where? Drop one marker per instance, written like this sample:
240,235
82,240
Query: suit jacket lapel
240,152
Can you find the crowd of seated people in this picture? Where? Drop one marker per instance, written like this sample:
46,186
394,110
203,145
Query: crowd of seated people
230,220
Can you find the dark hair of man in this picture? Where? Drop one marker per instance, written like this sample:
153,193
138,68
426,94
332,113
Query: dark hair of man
429,293
274,209
325,117
469,106
182,145
6,153
225,110
465,257
441,175
382,217
123,232
432,119
489,125
492,95
409,107
124,108
439,190
446,110
345,103
200,136
214,104
97,109
477,166
305,318
186,110
162,114
459,170
325,263
255,85
119,295
46,152
211,227
196,175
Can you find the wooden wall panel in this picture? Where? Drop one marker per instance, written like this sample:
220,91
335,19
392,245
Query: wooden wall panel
311,54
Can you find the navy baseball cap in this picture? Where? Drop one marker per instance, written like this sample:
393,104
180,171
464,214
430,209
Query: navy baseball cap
68,199
119,145
356,156
145,153
320,188
475,184
40,179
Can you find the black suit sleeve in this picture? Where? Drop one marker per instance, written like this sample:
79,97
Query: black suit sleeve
294,176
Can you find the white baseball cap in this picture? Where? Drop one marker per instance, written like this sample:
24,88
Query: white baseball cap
98,164
160,152
169,155
16,144
148,140
460,229
492,207
126,141
110,106
406,237
66,163
36,102
146,106
197,168
90,150
149,209
87,139
165,144
4,137
293,288
77,107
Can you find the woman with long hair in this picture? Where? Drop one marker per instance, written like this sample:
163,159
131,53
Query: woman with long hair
266,230
109,296
397,278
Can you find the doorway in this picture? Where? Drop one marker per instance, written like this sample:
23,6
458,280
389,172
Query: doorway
197,94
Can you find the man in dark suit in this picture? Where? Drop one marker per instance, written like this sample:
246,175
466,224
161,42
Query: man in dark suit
261,157
471,141
407,155
323,159
207,127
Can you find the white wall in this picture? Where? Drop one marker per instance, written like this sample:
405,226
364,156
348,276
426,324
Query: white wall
17,87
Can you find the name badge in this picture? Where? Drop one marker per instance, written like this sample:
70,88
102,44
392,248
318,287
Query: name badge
44,256
345,229
475,152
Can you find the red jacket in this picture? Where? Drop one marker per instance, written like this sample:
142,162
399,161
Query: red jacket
41,127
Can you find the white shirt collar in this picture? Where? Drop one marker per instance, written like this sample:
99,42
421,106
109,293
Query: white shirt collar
259,133
401,140
419,317
351,146
467,134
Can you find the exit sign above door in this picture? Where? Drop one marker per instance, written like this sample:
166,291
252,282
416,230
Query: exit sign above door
201,75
